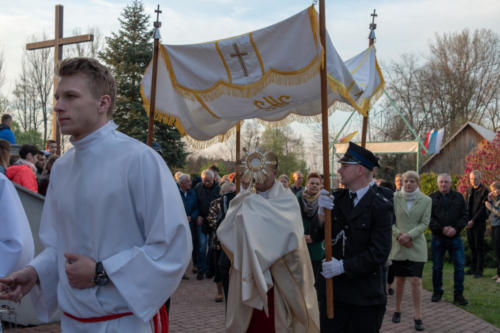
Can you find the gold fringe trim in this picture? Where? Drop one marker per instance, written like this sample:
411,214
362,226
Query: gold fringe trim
198,144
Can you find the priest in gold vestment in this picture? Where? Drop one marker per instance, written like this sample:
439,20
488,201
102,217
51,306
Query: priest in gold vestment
271,286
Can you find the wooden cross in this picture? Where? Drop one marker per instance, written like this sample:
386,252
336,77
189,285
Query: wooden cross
240,57
58,43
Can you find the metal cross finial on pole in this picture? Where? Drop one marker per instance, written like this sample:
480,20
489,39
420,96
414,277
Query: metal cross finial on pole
372,27
152,104
158,12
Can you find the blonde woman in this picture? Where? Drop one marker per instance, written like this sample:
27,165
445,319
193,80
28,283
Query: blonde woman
409,247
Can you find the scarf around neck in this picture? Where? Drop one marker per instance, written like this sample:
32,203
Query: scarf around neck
310,203
409,196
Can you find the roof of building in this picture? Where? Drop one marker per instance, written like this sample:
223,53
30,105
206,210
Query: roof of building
485,133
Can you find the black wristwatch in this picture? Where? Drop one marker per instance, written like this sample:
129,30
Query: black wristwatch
100,277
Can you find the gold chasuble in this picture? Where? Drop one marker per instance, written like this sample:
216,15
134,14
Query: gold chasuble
264,238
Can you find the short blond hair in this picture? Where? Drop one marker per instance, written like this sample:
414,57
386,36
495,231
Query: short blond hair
100,80
495,185
411,174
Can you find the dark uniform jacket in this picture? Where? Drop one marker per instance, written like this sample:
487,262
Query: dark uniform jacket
368,231
449,210
475,199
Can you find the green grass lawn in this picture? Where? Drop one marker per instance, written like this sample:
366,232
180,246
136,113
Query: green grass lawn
483,293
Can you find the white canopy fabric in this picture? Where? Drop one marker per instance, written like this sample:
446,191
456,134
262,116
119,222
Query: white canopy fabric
383,147
206,89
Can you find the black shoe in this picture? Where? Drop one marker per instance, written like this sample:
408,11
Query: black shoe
199,276
184,277
419,325
209,275
436,297
396,317
391,291
478,275
470,272
460,300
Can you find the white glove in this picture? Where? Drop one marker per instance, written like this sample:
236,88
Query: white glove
332,268
325,201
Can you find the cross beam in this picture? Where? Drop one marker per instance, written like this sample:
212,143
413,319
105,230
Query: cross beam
62,41
240,58
58,43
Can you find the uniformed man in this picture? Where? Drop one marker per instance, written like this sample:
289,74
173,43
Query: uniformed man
361,239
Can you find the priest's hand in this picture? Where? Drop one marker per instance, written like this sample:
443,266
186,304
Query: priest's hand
80,270
16,285
332,268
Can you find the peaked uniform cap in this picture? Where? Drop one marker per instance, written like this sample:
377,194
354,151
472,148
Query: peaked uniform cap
358,155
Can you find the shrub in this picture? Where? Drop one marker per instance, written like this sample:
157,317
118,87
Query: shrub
485,159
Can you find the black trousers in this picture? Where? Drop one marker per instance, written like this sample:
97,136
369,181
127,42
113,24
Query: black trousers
495,231
475,238
320,284
355,319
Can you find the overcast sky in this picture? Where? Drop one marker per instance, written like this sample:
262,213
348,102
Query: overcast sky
403,26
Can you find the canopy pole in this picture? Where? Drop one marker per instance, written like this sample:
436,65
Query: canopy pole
371,39
326,160
238,157
152,98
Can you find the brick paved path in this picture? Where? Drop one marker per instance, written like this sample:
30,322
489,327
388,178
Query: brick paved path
193,310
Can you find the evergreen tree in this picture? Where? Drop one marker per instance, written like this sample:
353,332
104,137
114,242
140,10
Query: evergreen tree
128,53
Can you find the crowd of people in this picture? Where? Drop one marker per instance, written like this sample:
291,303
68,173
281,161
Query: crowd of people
445,213
31,167
119,237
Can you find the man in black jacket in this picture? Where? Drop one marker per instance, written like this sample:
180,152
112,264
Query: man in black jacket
448,218
361,225
475,197
206,192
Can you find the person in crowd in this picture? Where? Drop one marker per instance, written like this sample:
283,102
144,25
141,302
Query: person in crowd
313,235
387,184
22,174
409,246
448,218
475,197
52,147
40,161
206,192
298,178
5,129
28,156
4,155
177,174
116,238
218,210
398,182
190,201
361,232
216,172
263,235
284,180
196,179
493,206
43,182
